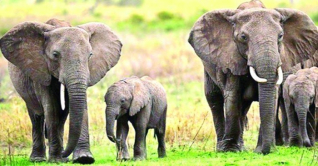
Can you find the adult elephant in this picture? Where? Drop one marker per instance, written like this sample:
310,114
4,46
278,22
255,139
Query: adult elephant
244,54
43,58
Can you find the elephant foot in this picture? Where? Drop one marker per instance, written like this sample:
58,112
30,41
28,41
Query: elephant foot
37,156
58,160
295,142
139,158
122,155
258,149
230,146
279,141
83,156
307,143
161,152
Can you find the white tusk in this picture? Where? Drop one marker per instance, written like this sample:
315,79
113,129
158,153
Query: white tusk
280,76
255,77
62,94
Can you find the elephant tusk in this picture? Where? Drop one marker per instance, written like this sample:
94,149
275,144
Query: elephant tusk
255,76
62,96
280,76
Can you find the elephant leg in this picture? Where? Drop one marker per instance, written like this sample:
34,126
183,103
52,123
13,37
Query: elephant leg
51,107
38,147
215,100
278,129
160,133
233,114
55,141
140,143
316,119
311,127
82,153
258,148
244,121
293,128
284,124
121,134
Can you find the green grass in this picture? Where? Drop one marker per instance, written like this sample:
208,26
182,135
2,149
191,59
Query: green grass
106,155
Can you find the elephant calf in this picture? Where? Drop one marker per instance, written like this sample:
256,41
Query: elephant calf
301,100
142,101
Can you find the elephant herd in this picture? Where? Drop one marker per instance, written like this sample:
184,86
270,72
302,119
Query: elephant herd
247,53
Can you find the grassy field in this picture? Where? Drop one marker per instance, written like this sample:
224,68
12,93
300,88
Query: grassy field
155,34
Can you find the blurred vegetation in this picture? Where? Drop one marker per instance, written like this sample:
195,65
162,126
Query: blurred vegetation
154,34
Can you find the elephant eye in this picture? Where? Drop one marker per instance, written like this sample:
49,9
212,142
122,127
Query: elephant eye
280,37
122,100
55,54
90,55
243,37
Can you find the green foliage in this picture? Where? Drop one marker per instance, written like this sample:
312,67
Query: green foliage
165,15
314,17
136,19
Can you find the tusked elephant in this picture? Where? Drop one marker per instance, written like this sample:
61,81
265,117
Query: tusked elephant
142,101
301,102
45,62
244,54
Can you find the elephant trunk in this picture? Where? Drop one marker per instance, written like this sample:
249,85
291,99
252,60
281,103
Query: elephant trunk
267,97
266,62
302,119
110,121
76,88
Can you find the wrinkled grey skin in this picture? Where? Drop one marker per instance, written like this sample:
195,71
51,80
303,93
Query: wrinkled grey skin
229,42
301,102
42,57
281,134
142,102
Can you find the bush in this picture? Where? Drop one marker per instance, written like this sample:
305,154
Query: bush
164,15
136,19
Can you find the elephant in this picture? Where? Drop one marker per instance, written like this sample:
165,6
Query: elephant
51,67
282,135
244,54
301,103
142,101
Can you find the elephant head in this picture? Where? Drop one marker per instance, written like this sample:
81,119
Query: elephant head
263,41
76,56
127,96
301,96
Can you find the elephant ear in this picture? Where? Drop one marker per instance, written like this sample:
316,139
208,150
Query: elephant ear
141,97
286,89
212,40
300,40
106,50
23,46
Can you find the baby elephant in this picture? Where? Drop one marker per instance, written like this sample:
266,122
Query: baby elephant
142,101
301,101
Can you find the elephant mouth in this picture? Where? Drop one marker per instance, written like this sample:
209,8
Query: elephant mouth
263,80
